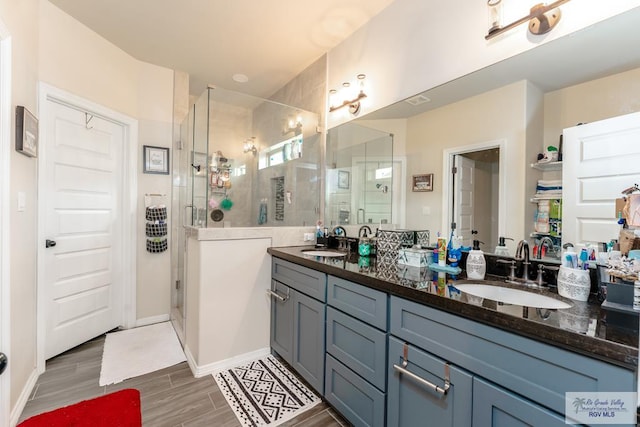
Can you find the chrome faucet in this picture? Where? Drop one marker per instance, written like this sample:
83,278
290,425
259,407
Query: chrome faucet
522,253
365,228
340,236
550,245
343,232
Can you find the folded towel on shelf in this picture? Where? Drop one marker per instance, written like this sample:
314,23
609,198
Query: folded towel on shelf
548,188
550,182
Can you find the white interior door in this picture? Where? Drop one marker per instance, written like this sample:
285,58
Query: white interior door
600,160
83,199
464,193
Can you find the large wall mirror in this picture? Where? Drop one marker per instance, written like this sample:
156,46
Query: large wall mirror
520,106
364,184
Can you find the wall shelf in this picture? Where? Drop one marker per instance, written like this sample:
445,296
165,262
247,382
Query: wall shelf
550,166
535,199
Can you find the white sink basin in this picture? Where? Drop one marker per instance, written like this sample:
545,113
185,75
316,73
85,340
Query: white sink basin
325,253
512,296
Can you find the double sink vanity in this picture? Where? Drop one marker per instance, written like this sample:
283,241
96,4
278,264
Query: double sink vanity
391,346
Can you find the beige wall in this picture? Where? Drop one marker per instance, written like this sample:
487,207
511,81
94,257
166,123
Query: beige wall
50,46
155,127
591,101
76,59
492,116
21,19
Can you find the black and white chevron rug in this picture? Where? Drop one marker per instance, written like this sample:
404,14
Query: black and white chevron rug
264,393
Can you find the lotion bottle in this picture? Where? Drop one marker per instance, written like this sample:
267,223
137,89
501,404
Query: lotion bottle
476,264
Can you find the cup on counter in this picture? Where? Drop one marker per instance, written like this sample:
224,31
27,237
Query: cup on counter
573,283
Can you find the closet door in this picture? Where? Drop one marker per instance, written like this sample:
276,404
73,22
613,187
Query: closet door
600,160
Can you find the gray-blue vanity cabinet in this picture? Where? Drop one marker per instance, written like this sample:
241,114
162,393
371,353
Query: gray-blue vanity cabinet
301,316
412,402
493,406
537,371
356,362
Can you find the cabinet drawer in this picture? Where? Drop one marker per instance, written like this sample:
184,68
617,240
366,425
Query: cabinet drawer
359,346
303,279
410,402
493,406
368,305
538,371
358,401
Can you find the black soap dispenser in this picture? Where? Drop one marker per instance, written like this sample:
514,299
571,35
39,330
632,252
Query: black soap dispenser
502,249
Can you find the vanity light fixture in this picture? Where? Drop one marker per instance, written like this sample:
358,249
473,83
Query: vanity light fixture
249,145
351,99
542,18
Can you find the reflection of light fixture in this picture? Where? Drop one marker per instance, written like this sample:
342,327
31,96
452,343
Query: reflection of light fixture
249,145
350,98
542,18
293,125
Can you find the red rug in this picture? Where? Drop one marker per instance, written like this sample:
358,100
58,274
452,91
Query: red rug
119,409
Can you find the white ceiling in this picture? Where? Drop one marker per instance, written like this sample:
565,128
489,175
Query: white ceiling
268,41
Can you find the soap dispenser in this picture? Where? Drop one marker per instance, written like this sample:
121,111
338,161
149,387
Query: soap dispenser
476,264
502,249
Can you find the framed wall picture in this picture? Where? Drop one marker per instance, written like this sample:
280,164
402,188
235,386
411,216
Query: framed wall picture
343,179
422,182
26,132
155,160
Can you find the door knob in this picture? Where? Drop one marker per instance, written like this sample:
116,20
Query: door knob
49,243
4,361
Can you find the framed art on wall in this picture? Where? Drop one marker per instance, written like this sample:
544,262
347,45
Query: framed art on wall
26,132
155,160
343,179
422,182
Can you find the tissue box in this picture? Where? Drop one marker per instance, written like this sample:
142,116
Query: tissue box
418,274
414,257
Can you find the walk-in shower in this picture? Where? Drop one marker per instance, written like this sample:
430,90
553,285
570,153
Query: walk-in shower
243,162
249,162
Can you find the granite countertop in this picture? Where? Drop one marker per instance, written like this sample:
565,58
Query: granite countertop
585,328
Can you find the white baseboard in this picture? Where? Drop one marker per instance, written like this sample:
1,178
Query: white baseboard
24,397
151,320
212,368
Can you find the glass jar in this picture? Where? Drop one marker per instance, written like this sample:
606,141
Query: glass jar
495,15
364,246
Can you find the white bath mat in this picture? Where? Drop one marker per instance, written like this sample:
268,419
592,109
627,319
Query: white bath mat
264,393
138,351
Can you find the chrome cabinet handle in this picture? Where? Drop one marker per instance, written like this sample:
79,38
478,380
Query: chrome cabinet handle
277,295
441,390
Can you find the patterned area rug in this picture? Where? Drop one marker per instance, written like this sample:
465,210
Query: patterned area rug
264,393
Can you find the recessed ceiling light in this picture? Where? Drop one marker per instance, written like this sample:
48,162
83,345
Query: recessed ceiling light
240,78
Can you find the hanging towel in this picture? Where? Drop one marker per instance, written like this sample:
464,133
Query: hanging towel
262,214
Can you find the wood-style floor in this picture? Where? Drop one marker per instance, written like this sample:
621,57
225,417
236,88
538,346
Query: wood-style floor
170,397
